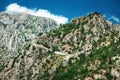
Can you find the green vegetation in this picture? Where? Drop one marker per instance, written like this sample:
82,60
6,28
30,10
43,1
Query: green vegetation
55,48
80,71
1,67
65,29
89,32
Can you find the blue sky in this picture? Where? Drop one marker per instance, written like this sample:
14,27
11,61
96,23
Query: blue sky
69,8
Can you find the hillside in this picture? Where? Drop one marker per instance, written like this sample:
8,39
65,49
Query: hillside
87,48
17,29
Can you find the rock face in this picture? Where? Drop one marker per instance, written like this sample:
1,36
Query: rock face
87,49
17,29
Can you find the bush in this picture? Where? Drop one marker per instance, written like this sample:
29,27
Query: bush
55,48
1,67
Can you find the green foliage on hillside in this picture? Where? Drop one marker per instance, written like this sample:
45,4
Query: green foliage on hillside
80,69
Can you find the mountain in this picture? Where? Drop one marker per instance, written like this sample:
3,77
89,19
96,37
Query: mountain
87,48
17,29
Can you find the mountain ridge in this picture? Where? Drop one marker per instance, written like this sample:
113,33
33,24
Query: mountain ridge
18,29
25,24
85,49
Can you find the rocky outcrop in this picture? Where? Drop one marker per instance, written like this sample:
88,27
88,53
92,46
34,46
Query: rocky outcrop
17,29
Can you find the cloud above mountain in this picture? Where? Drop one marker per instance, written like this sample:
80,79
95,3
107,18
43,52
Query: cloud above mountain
114,19
15,8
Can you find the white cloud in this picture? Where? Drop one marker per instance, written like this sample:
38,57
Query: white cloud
114,19
15,8
104,15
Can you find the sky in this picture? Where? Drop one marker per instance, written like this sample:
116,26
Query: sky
63,11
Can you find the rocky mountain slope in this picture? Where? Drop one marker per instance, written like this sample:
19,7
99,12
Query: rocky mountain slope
88,48
17,29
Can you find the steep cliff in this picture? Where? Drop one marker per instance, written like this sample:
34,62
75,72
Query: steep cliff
17,29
